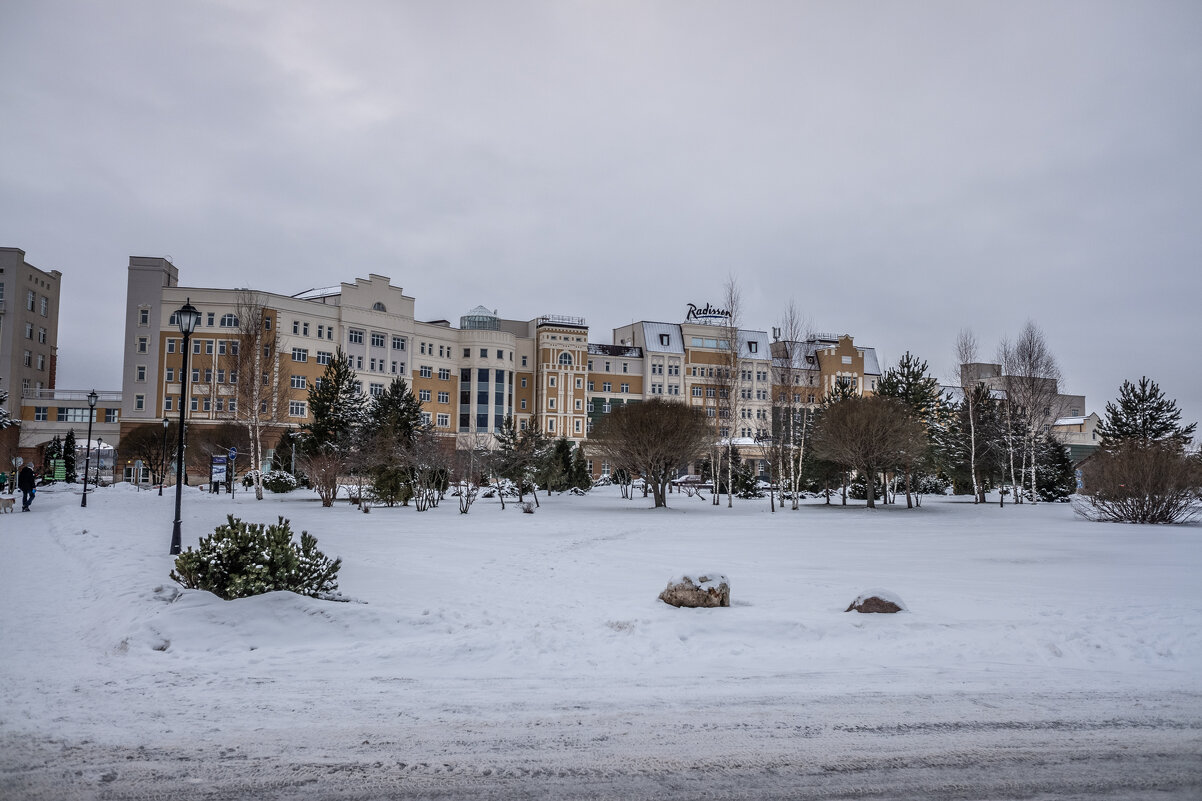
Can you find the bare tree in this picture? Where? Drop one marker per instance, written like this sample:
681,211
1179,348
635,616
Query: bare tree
260,394
966,353
868,434
654,438
732,383
1032,378
427,456
1141,483
323,466
154,446
791,416
1006,358
471,460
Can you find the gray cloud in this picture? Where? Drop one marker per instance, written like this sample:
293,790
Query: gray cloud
901,170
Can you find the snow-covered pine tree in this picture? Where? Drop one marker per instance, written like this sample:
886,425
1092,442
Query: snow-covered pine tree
337,407
337,404
69,455
1144,416
1057,479
6,419
909,383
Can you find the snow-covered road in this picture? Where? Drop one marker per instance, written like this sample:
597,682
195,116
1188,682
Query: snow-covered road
1078,745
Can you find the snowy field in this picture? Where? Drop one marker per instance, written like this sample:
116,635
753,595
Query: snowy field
503,655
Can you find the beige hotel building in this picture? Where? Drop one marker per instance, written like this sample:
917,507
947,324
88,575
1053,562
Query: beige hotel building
469,377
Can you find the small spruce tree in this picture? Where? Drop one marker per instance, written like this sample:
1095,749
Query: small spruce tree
69,456
1144,416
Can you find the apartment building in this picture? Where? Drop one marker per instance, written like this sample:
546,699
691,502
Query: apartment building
809,369
29,308
468,378
29,300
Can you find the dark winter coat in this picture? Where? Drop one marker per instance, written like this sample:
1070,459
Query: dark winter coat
25,479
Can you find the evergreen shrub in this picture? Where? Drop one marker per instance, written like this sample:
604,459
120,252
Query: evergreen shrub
278,481
241,559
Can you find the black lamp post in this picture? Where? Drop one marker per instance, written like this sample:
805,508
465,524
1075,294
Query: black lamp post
88,451
163,458
187,317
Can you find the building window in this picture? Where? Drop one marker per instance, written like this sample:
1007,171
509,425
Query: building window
29,330
296,408
444,397
229,321
41,361
444,374
444,421
565,358
551,381
142,344
377,339
550,403
523,406
425,371
523,361
40,413
398,343
664,339
28,359
354,336
523,383
607,386
375,390
30,297
299,382
139,402
324,357
167,403
425,418
300,355
141,373
423,395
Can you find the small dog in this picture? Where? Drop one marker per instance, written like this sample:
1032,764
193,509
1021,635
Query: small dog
6,505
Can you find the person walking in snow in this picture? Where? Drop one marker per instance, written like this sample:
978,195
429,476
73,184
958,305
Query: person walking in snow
26,483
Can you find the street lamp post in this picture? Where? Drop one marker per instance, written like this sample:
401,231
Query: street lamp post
163,458
187,317
88,451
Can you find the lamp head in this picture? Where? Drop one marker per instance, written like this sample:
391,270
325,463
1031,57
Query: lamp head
187,317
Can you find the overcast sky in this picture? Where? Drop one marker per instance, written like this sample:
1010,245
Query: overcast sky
899,170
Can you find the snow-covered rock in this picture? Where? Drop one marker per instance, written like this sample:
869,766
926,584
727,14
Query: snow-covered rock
877,601
707,590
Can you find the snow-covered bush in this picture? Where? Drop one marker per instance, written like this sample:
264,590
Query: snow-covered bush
279,481
242,559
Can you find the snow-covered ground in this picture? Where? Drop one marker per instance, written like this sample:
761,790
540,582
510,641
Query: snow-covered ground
499,654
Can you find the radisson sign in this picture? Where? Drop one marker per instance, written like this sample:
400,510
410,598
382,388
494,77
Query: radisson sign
707,314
